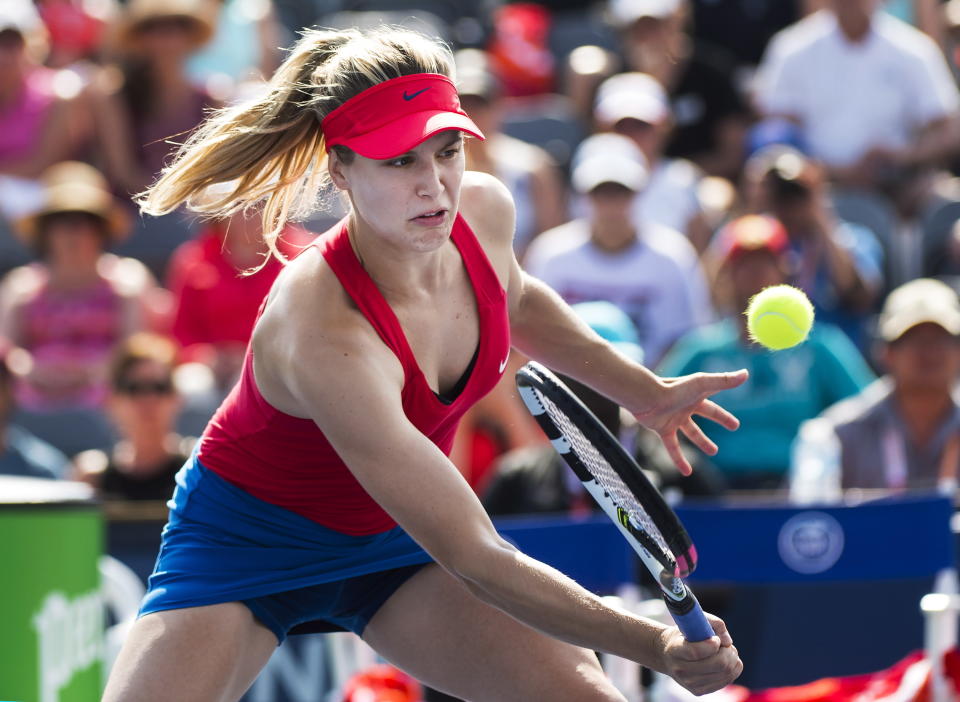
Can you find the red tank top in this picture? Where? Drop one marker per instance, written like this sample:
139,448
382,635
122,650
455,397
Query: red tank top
287,461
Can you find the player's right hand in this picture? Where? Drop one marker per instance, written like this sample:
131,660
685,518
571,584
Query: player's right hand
701,666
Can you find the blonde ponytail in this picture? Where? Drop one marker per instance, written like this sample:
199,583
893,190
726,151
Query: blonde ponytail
269,152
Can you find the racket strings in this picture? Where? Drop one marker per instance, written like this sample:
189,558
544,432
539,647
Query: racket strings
600,468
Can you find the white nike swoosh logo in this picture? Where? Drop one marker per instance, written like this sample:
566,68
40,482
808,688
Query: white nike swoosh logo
503,365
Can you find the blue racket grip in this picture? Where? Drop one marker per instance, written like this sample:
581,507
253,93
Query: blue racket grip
690,618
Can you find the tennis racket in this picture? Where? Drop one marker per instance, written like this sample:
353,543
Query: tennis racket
618,485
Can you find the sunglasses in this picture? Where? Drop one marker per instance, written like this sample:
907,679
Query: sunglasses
140,388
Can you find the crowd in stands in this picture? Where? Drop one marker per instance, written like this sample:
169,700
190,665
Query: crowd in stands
668,158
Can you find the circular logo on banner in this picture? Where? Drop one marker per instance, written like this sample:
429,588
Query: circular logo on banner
810,542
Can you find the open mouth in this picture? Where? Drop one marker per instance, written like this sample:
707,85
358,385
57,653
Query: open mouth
431,217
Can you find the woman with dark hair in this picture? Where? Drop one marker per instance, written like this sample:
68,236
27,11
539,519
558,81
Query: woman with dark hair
142,405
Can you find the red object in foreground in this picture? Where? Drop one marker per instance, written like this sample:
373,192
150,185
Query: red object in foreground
382,683
909,680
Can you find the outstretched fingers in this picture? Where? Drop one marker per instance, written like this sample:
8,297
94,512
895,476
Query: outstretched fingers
712,383
711,410
696,435
672,444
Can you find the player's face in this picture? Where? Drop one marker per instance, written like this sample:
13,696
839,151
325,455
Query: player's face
410,200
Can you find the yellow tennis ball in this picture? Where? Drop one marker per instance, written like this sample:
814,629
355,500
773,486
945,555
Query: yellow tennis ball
779,317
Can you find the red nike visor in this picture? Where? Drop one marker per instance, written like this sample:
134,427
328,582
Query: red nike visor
394,116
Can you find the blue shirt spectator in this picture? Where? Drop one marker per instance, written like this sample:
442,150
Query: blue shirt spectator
784,388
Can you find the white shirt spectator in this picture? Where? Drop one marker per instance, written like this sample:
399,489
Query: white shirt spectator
670,197
657,280
851,97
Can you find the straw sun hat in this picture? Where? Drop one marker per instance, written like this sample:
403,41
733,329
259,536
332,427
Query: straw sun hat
72,186
200,14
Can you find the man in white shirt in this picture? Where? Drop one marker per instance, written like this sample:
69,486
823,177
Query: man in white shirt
650,271
874,96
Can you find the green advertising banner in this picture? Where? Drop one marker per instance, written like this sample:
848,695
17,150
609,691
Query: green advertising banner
50,603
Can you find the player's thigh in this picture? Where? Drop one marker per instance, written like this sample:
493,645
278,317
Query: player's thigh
196,654
443,635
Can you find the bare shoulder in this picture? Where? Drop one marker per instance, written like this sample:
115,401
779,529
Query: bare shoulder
488,207
312,332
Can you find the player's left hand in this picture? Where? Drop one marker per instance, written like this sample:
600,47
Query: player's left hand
678,402
702,666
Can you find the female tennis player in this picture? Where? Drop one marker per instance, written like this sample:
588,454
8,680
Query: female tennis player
320,497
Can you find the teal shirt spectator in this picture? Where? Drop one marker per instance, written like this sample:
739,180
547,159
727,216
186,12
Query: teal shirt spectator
784,389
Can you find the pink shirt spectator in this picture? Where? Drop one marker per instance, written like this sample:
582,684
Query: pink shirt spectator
69,335
23,120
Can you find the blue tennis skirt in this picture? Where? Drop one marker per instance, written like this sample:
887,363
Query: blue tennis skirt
222,544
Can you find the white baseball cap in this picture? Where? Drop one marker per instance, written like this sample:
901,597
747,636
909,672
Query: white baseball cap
920,301
608,158
625,12
631,96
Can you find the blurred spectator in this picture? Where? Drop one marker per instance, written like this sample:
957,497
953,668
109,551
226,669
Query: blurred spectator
143,406
22,453
873,96
77,29
536,479
838,264
147,87
743,27
215,303
42,121
946,261
71,307
651,272
520,50
951,29
527,170
245,46
636,106
784,388
903,431
923,14
709,113
147,103
154,98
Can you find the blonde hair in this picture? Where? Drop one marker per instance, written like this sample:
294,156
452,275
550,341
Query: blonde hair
271,150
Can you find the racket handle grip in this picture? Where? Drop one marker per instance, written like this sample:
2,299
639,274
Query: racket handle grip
690,618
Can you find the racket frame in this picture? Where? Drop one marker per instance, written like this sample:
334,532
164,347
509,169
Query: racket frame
534,380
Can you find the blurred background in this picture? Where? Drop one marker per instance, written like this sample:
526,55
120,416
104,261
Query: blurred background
668,159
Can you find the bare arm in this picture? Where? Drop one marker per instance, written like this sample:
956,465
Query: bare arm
352,392
544,328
